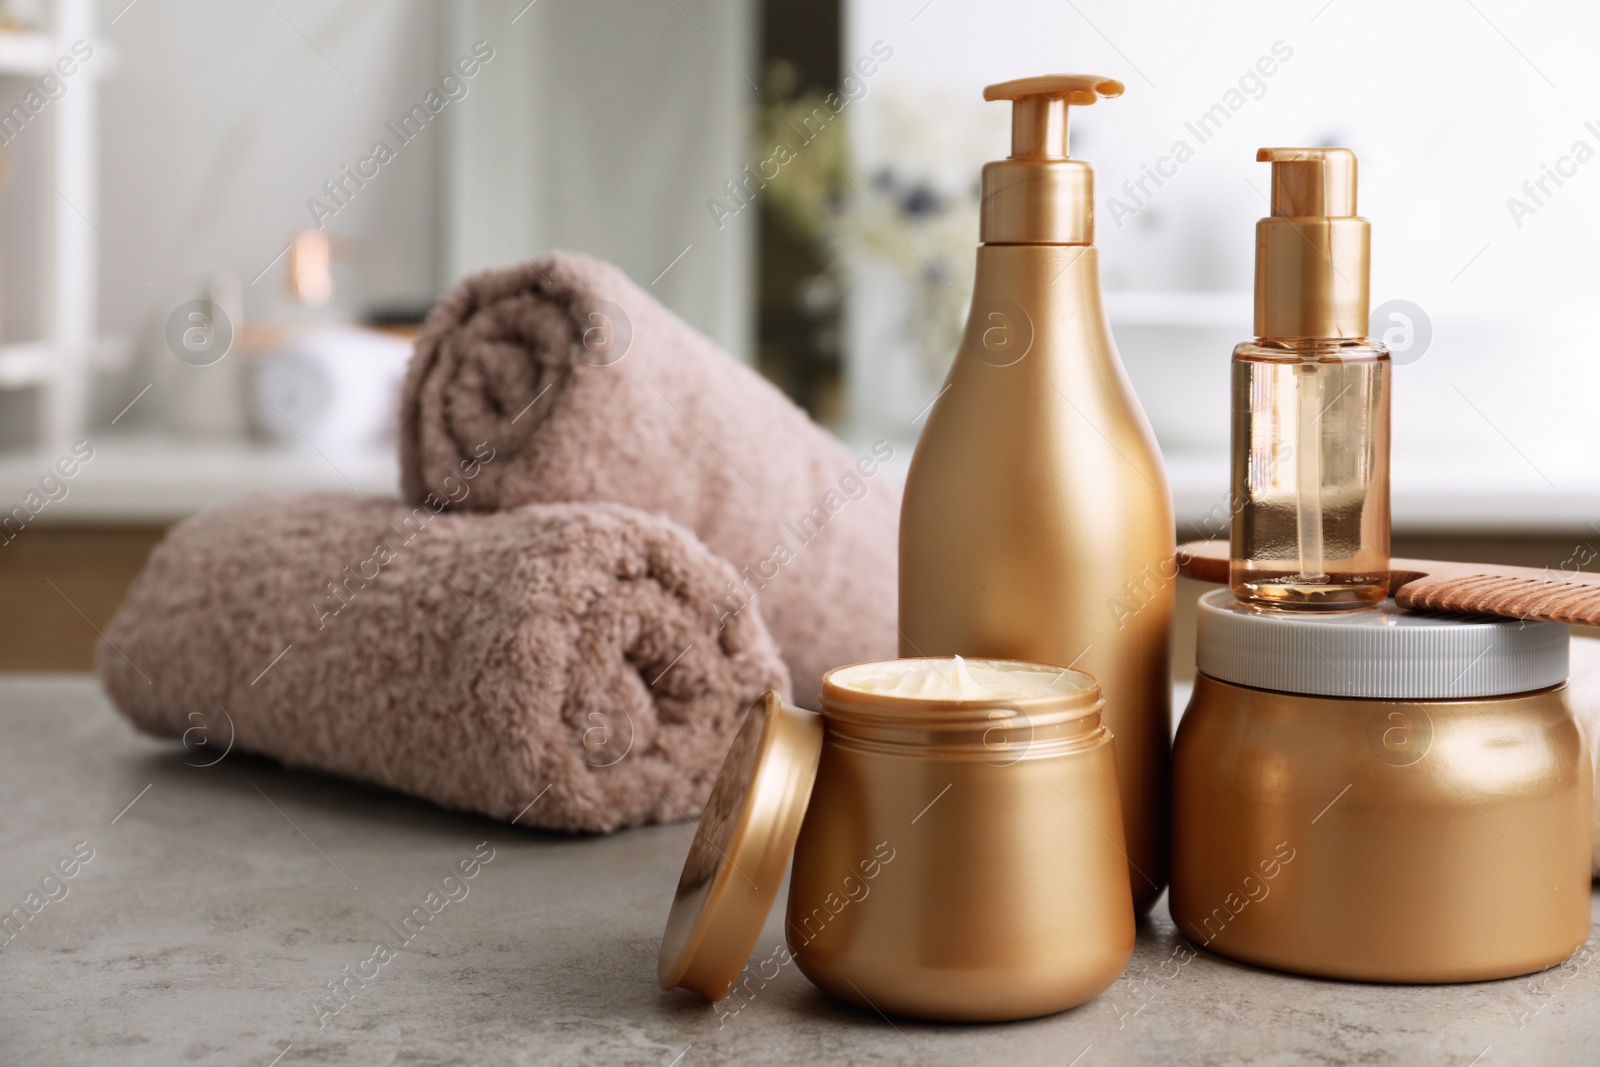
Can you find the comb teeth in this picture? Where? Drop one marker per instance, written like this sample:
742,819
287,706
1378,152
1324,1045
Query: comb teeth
1507,597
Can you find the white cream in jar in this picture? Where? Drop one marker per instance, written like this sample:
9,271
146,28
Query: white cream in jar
956,678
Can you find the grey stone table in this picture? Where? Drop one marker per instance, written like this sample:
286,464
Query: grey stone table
211,909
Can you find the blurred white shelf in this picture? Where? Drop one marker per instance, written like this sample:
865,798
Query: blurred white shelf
1428,494
27,54
150,479
155,479
66,248
24,364
1234,311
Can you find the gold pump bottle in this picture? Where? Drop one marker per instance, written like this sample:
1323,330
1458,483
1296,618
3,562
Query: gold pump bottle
1036,523
1310,527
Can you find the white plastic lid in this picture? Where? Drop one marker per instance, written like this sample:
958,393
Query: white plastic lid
1387,653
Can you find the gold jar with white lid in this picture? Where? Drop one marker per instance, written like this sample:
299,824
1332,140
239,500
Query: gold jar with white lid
961,855
1381,795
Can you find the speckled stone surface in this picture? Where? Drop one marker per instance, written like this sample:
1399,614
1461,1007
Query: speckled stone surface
219,906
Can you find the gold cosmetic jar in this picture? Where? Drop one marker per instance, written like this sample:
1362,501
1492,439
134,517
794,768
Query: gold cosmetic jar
957,859
1381,795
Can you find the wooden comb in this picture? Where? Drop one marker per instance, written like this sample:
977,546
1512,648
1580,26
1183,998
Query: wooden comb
1452,588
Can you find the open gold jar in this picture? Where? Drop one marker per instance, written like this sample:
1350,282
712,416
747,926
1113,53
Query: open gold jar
955,856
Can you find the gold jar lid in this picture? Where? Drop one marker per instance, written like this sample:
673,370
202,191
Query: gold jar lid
741,848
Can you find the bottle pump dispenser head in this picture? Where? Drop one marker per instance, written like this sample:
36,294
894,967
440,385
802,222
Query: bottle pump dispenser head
1039,194
1313,252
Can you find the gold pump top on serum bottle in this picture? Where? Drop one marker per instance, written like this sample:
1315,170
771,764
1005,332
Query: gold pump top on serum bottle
1310,509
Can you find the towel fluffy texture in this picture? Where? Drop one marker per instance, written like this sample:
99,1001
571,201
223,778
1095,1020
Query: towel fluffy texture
592,391
471,660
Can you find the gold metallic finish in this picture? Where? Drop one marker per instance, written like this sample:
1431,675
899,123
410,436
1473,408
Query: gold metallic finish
1035,202
1037,524
1039,195
1311,181
1438,841
744,840
1313,253
1065,88
962,859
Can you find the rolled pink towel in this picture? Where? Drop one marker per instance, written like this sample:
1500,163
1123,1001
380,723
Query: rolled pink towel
563,655
592,391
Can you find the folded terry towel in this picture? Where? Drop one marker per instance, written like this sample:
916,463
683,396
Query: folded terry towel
568,653
592,391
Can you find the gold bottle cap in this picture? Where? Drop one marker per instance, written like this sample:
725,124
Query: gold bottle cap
1040,195
741,848
1313,253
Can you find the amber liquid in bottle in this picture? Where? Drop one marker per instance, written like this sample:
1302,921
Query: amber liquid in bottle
1311,474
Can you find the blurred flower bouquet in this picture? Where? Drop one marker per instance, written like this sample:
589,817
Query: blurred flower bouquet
897,188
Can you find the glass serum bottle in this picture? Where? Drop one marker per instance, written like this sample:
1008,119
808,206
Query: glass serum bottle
1311,401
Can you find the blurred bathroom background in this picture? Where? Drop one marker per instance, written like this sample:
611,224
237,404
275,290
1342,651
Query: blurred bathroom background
210,271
